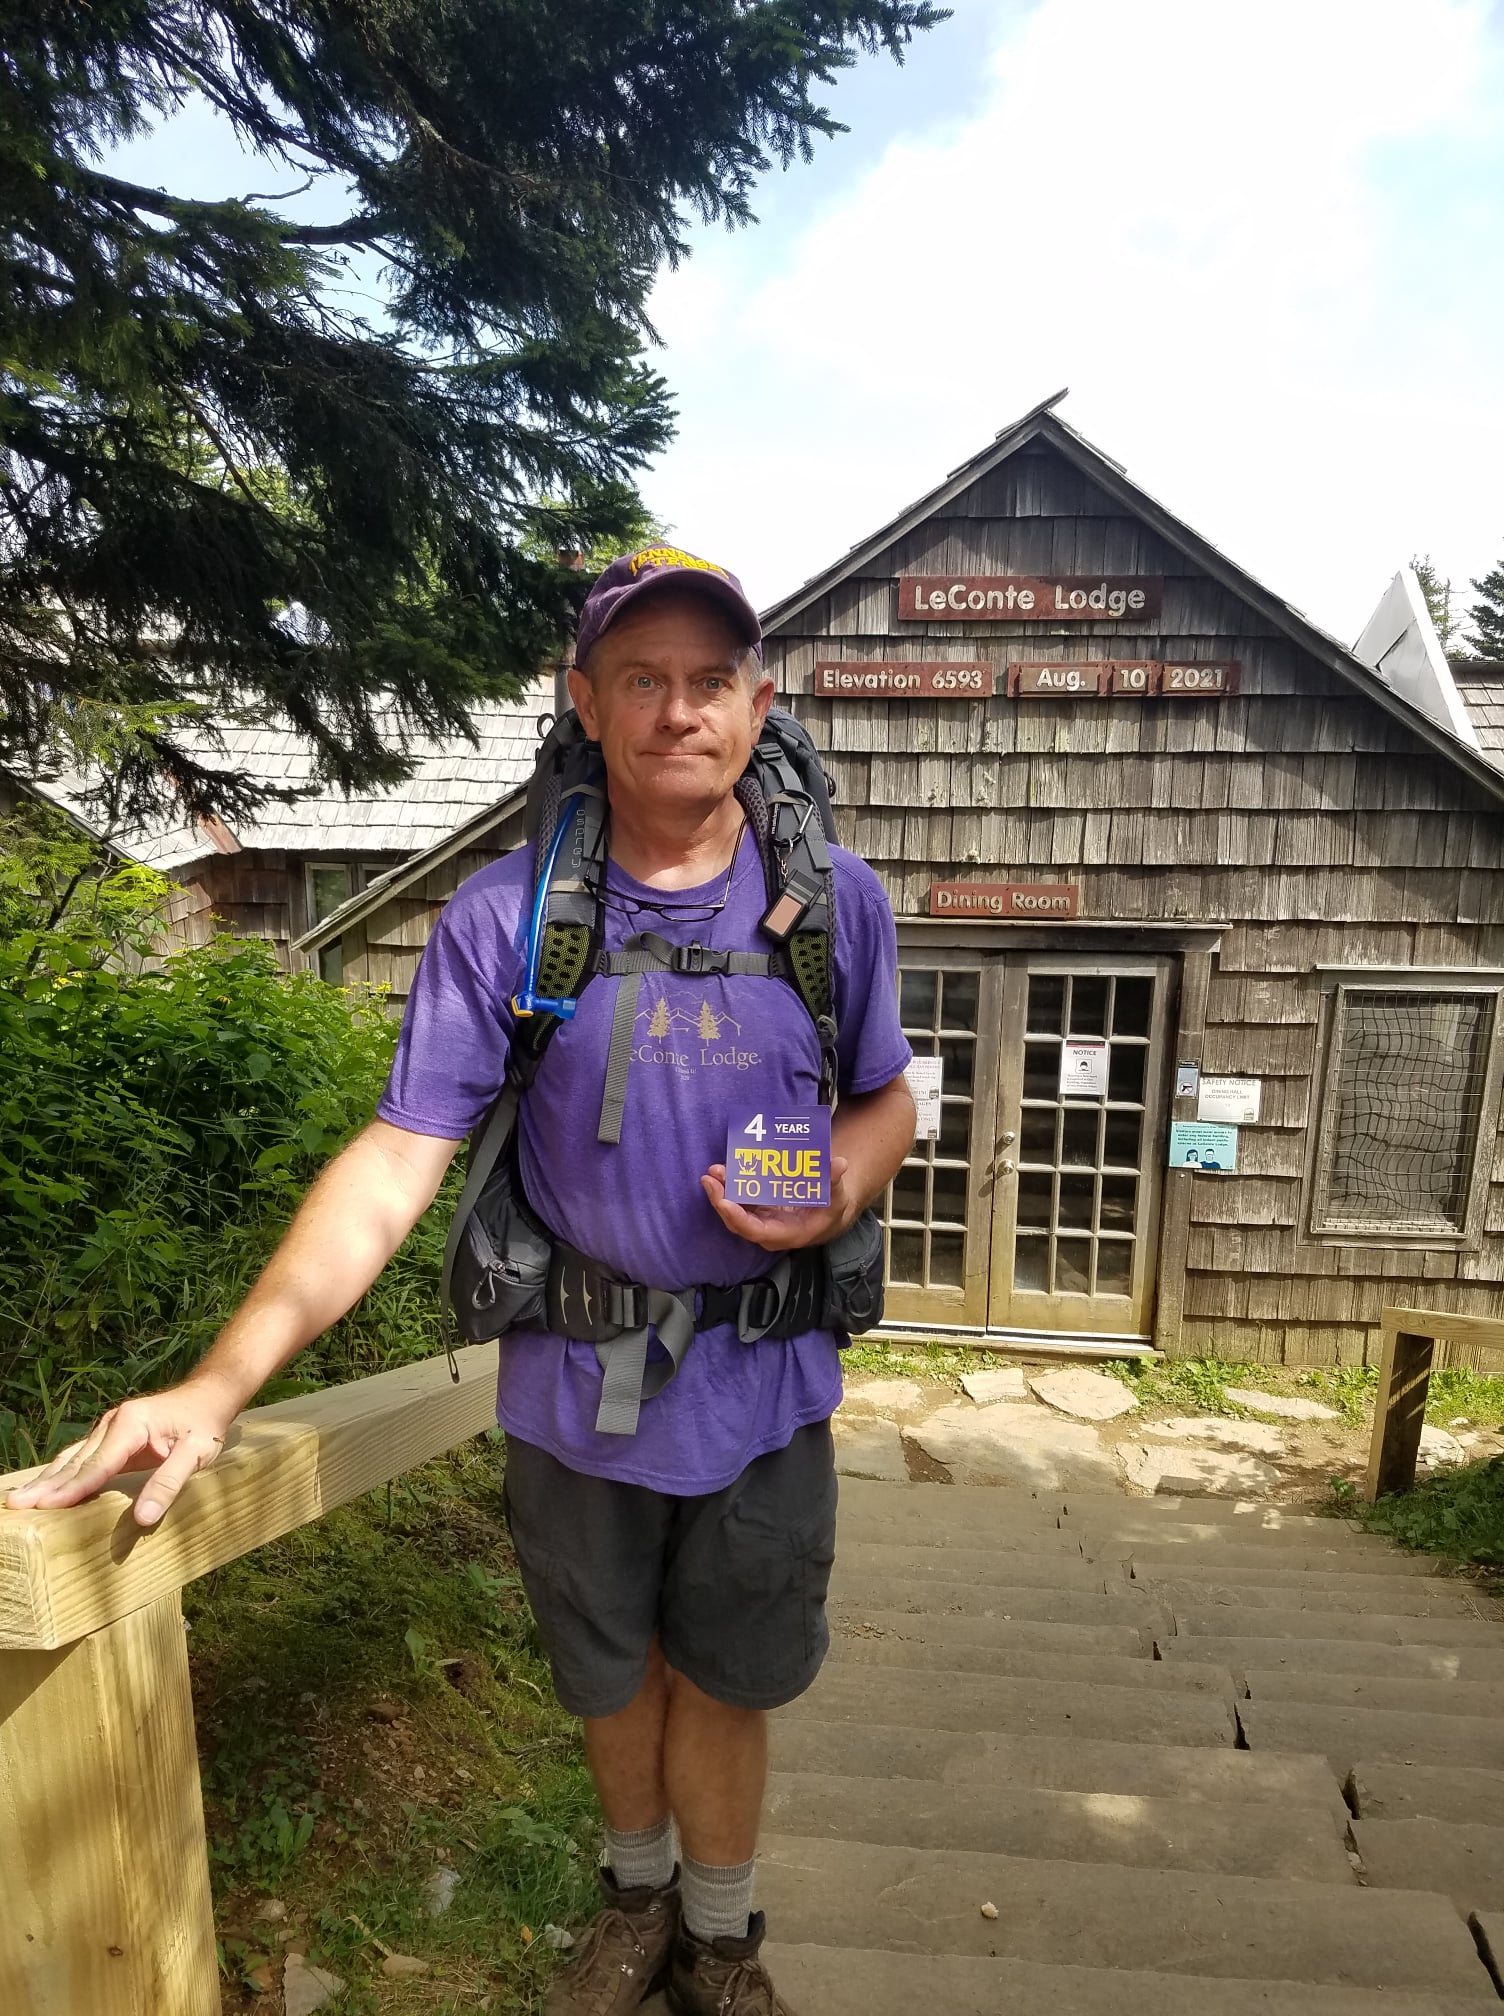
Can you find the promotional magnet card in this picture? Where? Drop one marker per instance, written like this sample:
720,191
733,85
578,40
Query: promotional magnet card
780,1158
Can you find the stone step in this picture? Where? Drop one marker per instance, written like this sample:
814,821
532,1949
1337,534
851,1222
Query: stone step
1208,1538
984,1566
1023,1634
974,1702
936,1530
856,1647
1340,1690
1377,1790
1344,1735
1044,1606
1112,1512
1176,1921
1248,1562
1056,1826
838,1981
1193,1621
1363,1595
987,1504
1462,1861
1063,1763
1339,1655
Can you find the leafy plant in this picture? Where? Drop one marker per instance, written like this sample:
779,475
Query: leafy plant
159,1122
1458,1512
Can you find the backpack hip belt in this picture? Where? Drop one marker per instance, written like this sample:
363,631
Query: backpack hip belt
593,1306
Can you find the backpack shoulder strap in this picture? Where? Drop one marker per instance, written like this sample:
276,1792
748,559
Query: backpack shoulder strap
786,796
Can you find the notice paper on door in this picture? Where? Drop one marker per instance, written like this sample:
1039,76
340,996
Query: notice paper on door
780,1158
1083,1069
924,1075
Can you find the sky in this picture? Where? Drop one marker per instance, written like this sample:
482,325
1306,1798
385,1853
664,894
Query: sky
1264,247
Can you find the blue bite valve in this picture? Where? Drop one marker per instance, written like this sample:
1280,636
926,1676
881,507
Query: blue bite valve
529,1003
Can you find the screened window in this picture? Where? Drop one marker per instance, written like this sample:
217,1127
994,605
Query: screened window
1406,1092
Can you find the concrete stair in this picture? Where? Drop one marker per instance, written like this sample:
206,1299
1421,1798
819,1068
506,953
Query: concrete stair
1202,1758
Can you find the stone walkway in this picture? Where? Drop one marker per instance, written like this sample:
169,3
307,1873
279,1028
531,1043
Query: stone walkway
1098,1755
1051,1430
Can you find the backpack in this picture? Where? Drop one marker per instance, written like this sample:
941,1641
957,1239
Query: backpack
502,1268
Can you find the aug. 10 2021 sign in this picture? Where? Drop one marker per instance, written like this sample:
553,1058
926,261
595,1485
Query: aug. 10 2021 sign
1117,678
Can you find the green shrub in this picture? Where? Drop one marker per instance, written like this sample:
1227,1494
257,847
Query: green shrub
158,1125
1458,1512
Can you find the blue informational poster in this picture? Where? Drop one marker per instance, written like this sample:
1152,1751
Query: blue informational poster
1195,1144
780,1158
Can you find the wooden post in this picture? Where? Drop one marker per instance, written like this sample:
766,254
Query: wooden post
1399,1408
104,1876
1399,1411
106,1882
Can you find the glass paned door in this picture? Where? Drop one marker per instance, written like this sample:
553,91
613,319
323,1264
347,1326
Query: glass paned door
937,1211
1080,1119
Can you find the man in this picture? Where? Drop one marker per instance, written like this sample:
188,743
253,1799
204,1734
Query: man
678,1574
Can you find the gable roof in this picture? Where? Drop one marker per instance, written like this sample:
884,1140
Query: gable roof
1042,423
453,780
403,874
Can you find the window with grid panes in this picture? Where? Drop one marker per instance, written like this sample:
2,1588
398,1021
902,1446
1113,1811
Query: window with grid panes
925,1208
1407,1086
1079,1159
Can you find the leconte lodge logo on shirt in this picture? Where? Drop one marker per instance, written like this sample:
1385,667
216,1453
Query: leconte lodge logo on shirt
689,1035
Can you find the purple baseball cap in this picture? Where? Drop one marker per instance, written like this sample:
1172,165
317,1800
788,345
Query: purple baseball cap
636,574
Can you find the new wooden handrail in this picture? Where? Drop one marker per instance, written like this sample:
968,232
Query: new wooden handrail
1399,1410
107,1906
64,1574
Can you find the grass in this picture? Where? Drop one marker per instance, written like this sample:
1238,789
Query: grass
373,1705
923,1358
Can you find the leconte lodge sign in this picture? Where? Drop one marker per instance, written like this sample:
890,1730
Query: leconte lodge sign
1027,598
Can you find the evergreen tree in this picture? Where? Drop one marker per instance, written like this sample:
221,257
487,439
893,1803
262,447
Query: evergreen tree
1486,617
709,1027
1437,590
222,486
658,1024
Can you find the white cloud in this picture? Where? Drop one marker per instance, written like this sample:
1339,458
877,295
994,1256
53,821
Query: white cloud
1262,246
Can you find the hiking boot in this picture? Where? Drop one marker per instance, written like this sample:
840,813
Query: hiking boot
723,1977
622,1957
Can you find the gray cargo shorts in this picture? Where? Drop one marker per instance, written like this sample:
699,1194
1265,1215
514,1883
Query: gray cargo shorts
731,1584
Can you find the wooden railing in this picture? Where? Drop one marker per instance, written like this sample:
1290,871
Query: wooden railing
104,1873
1399,1412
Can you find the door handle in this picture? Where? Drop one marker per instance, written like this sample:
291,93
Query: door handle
1005,1167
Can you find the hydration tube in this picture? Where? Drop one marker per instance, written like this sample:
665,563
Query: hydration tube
530,1002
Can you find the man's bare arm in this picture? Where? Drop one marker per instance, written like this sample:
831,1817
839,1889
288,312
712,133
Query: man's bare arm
347,1228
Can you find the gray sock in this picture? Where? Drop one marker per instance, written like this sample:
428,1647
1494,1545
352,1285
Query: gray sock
717,1902
644,1860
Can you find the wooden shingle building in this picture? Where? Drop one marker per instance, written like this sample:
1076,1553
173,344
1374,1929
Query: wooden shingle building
1202,919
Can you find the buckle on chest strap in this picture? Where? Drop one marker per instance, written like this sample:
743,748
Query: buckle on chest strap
688,958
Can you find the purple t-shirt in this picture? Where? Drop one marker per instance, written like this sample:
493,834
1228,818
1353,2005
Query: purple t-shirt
706,1048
